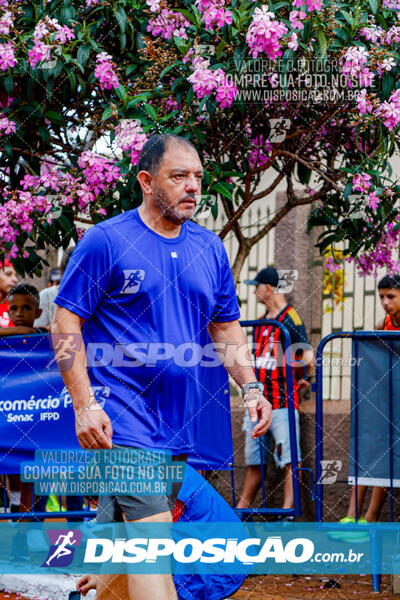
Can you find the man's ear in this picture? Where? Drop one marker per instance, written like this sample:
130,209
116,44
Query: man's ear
38,313
145,180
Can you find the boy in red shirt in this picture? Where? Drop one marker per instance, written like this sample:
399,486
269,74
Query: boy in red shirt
8,279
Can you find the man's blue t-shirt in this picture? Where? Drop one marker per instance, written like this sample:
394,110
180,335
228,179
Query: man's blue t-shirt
148,301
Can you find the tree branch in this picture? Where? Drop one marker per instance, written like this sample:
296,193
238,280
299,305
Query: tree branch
312,167
249,199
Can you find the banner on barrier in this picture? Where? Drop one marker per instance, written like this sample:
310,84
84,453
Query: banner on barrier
194,548
376,411
36,409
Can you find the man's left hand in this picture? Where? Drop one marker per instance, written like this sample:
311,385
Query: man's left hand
260,411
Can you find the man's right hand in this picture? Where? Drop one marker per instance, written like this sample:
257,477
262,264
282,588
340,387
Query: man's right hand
93,428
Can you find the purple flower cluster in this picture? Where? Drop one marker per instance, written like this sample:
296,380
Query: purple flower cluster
154,5
16,214
310,4
6,22
206,80
384,254
296,18
129,135
213,13
98,173
41,51
264,34
389,111
354,65
7,127
361,182
105,73
7,56
169,24
364,104
260,152
391,4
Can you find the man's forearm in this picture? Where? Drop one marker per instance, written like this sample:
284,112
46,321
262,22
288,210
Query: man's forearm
68,341
235,354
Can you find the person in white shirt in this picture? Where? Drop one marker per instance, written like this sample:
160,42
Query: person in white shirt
48,295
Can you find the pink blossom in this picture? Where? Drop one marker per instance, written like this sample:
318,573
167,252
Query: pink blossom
293,44
214,13
298,3
372,33
38,53
390,114
169,24
64,34
391,4
129,135
314,5
203,81
387,64
364,104
7,56
154,5
85,195
361,182
29,181
105,73
6,22
296,17
7,127
383,254
373,200
264,34
260,152
393,34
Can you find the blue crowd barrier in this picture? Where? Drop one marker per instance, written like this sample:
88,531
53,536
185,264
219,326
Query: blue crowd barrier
264,510
388,337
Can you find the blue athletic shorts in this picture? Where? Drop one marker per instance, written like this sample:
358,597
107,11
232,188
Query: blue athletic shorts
280,431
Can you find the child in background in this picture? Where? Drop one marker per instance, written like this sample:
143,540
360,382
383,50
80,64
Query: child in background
8,279
23,309
23,302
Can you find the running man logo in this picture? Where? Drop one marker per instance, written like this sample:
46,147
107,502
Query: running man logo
60,552
279,129
65,346
133,279
286,281
330,471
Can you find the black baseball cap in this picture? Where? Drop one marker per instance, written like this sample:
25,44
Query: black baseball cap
268,275
55,275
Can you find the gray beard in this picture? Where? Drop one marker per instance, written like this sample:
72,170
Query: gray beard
169,213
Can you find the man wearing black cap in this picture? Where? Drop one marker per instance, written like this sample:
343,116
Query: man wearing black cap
271,372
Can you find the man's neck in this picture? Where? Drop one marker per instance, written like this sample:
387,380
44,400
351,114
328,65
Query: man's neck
158,223
395,318
3,298
276,305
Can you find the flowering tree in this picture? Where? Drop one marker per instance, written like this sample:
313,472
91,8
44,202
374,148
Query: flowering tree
301,92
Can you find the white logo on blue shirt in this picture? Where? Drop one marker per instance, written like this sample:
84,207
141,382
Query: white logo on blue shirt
174,255
133,279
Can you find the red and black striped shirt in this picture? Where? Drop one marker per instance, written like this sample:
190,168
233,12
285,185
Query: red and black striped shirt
270,360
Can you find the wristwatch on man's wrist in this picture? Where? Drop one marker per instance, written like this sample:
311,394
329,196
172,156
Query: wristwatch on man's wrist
253,385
